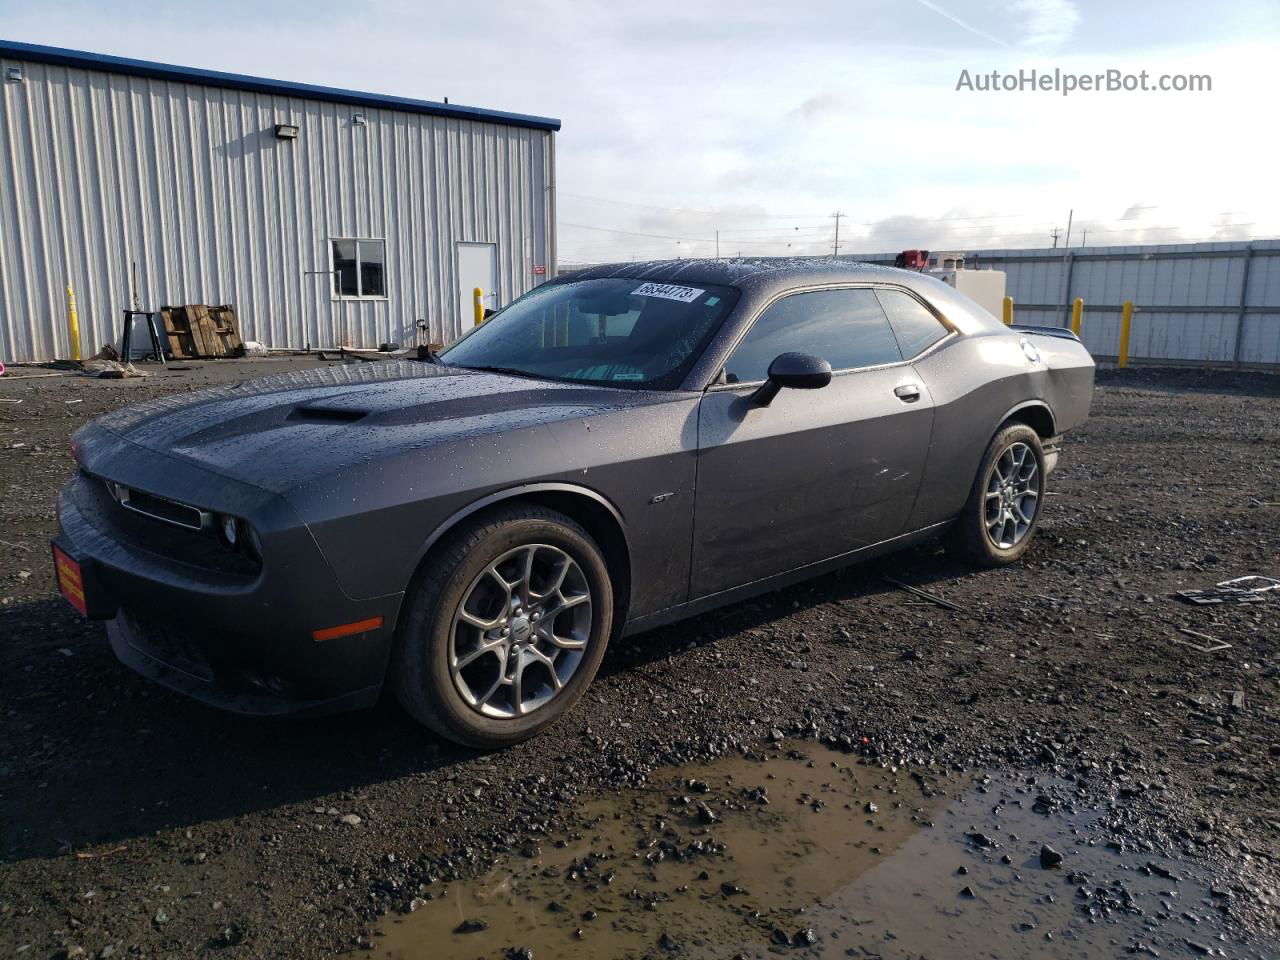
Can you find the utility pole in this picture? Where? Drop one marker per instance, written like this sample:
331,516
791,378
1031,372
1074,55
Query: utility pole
1054,233
1067,241
717,244
1084,236
835,247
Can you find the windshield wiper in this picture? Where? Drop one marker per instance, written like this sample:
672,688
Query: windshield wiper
510,371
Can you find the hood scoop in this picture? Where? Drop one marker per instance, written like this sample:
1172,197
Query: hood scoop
321,414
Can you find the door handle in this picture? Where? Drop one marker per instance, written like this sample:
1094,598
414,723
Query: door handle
907,392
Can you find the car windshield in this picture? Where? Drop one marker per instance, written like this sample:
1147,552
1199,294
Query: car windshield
613,331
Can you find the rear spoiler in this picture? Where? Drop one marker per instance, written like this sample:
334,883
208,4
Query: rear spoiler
1063,333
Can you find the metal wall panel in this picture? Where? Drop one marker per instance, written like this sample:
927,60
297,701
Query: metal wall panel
99,170
1187,297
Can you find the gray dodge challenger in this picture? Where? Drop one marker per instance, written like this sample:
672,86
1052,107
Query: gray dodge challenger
617,449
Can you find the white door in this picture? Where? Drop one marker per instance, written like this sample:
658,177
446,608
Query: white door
477,267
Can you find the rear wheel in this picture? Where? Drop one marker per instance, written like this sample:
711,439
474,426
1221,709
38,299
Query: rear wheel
505,627
1002,514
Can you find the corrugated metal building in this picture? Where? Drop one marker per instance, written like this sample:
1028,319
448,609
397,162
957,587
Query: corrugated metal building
1203,304
325,216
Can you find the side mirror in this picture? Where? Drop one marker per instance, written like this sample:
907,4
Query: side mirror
796,371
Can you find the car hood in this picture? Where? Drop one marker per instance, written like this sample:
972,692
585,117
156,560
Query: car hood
280,432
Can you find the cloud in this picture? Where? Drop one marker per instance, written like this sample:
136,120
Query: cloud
1047,24
1135,211
821,105
1042,25
682,119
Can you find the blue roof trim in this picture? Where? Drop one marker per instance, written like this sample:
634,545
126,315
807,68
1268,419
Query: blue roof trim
235,81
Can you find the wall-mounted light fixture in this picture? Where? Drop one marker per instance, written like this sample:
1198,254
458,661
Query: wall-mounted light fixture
286,131
14,74
358,119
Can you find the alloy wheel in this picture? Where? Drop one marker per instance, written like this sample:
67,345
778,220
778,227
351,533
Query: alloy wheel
1012,496
520,631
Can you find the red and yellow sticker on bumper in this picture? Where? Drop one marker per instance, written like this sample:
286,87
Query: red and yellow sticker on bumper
70,581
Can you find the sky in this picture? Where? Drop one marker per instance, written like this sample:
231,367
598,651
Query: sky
761,121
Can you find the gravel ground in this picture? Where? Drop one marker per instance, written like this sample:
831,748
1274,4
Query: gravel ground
134,823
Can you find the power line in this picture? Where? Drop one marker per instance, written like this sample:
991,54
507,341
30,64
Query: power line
807,236
633,233
774,229
705,213
728,214
1006,242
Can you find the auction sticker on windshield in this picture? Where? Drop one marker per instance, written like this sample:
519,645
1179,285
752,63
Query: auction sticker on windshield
668,291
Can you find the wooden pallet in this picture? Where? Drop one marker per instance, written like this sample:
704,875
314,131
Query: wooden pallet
197,331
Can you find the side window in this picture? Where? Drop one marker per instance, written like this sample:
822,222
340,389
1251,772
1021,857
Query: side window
915,327
847,328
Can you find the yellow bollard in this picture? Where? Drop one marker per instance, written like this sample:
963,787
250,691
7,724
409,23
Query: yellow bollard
1126,321
477,305
73,324
1008,311
1077,315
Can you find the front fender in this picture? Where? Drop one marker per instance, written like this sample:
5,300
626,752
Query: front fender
513,493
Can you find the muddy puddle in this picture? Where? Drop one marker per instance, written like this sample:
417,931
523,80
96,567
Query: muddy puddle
805,852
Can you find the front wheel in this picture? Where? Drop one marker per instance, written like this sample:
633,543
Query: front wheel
1002,514
505,627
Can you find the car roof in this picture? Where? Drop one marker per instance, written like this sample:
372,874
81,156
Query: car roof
761,278
757,274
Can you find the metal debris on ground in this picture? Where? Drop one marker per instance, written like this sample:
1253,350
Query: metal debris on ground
1213,644
108,352
1231,591
1266,583
349,353
94,855
932,597
111,370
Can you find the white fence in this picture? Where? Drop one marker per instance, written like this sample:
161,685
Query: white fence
1199,304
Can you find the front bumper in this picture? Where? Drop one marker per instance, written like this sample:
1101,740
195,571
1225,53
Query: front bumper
180,663
243,642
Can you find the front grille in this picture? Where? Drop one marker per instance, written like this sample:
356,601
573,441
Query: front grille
160,508
169,646
155,534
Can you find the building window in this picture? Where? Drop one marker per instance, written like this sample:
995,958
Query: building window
359,268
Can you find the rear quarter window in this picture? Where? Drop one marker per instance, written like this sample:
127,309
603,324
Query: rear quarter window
913,324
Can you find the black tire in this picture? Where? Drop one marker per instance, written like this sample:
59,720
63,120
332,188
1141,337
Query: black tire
420,669
969,537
